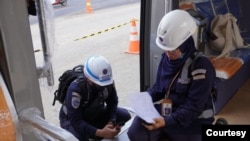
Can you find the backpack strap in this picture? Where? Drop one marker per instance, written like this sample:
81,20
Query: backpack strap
196,56
82,81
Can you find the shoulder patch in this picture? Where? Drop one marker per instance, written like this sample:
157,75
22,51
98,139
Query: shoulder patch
75,102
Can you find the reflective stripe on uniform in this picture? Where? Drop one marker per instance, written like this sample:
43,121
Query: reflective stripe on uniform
199,74
76,94
184,73
207,114
198,71
197,77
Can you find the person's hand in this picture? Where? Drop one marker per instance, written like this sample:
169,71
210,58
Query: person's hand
108,132
158,123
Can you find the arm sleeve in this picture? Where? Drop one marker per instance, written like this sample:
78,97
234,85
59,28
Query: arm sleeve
75,111
156,96
112,102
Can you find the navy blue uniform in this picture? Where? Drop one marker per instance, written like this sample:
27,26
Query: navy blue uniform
192,100
81,117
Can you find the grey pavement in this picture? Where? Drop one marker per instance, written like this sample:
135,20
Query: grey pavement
112,44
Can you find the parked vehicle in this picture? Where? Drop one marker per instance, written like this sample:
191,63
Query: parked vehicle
61,2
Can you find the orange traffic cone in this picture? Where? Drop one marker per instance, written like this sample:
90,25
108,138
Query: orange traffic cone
88,7
134,39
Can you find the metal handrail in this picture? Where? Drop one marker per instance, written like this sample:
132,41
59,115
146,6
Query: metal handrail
31,121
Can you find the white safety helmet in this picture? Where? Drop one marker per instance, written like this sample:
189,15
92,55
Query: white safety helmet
98,69
174,28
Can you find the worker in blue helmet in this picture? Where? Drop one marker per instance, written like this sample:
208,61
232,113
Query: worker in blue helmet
90,109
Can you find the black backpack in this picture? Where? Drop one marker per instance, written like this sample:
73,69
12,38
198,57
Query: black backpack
64,81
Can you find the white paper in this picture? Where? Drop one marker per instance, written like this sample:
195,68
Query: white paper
142,105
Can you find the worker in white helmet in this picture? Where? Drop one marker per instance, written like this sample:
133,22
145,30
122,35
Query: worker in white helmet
183,86
90,108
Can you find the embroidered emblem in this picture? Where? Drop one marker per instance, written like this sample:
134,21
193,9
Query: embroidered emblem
105,71
75,102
